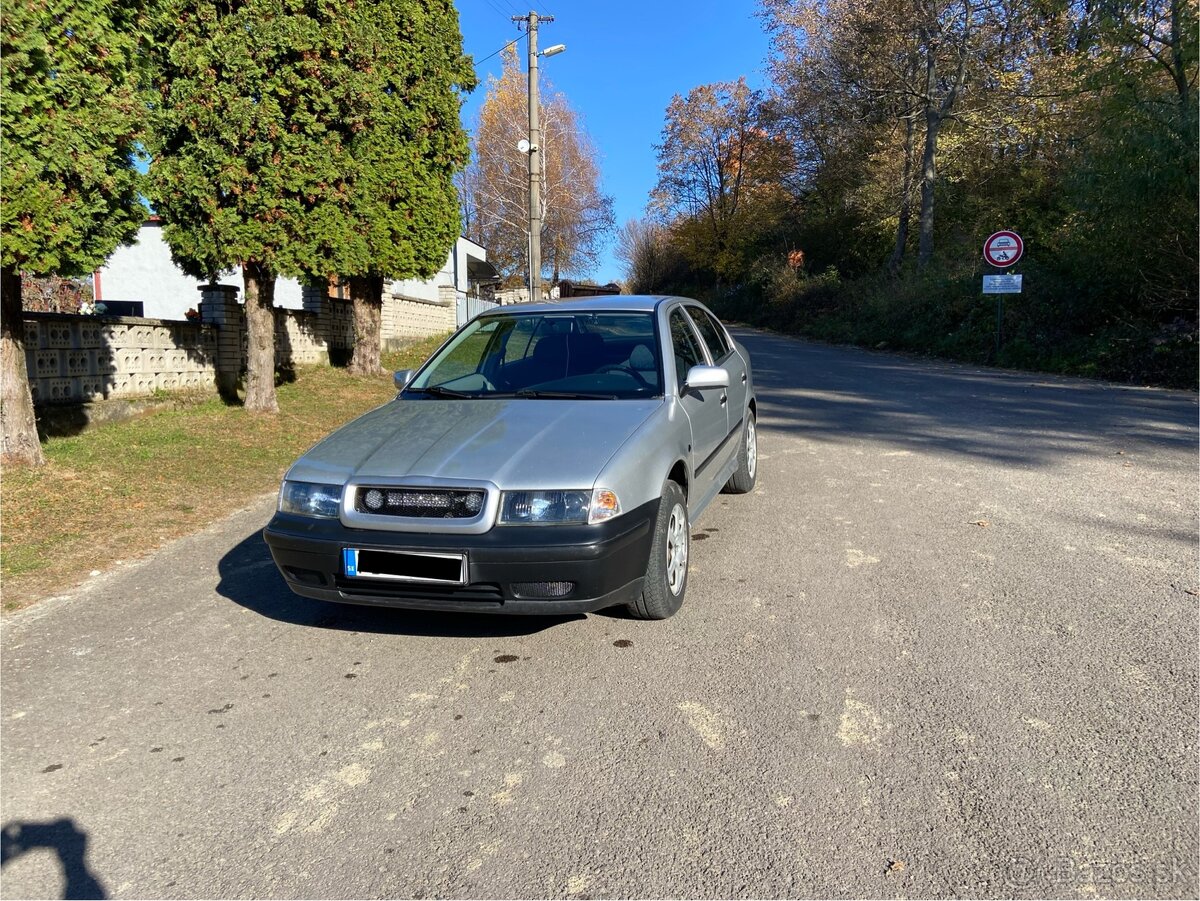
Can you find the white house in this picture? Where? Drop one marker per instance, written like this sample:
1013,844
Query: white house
144,273
466,268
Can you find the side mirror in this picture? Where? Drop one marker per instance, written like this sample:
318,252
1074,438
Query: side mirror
402,378
701,377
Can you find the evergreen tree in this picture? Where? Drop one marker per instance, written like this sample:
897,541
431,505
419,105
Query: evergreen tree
309,138
70,125
402,207
254,96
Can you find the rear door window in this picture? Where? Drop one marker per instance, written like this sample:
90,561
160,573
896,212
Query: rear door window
711,331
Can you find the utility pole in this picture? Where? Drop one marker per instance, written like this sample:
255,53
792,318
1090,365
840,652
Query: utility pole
535,161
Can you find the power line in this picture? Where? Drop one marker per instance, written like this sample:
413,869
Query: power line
496,9
497,52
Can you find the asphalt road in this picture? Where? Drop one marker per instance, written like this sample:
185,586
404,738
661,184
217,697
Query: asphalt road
949,647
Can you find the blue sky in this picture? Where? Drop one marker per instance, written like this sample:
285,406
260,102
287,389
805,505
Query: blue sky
624,62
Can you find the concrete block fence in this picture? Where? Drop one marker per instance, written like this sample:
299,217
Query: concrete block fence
82,359
76,359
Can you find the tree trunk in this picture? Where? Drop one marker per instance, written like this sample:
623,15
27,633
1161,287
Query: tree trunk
897,257
366,298
933,122
17,422
1179,66
260,339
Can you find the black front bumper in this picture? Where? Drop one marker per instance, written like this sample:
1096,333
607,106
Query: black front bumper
606,562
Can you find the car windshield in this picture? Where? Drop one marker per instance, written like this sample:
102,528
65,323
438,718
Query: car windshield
568,355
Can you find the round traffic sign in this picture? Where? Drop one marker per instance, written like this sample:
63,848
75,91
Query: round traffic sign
1003,249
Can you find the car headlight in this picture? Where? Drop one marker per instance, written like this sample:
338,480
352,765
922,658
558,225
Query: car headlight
558,507
310,499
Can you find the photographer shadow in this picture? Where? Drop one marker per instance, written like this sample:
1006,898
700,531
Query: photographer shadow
66,840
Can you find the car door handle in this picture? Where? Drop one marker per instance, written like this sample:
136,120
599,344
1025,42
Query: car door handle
724,398
743,378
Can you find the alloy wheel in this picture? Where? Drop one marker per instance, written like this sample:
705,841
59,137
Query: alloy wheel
677,549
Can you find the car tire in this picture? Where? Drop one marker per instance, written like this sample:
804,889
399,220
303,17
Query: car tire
743,479
666,571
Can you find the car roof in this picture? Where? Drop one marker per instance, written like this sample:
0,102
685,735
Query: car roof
608,303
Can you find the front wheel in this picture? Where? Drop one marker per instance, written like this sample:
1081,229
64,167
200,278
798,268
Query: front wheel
743,479
666,572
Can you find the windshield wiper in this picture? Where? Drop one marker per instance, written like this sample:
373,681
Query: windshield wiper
439,391
562,395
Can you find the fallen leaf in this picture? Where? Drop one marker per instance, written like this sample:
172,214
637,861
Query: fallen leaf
982,523
1192,593
1120,453
895,866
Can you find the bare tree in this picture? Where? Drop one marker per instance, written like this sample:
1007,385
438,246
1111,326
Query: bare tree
643,247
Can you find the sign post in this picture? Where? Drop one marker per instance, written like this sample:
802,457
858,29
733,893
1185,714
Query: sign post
1002,250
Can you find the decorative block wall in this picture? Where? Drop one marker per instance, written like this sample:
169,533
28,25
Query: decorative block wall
406,318
339,318
79,359
298,338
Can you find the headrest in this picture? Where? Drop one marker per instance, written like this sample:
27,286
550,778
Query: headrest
642,358
550,347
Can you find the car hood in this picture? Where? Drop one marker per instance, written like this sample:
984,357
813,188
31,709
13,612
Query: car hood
514,443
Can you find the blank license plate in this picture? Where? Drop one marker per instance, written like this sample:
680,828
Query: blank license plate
405,566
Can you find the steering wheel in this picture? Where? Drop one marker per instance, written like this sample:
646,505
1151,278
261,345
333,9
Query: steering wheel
618,367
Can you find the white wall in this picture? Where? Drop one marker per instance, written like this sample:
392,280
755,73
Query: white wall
413,289
144,271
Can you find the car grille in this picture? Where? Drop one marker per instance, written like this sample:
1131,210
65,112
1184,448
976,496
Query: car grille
422,503
476,593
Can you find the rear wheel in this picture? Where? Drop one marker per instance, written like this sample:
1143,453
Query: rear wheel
743,479
666,572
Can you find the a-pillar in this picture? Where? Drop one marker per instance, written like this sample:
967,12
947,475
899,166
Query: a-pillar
219,306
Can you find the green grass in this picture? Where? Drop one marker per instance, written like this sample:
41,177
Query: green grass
119,490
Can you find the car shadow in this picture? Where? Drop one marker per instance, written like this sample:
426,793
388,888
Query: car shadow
249,578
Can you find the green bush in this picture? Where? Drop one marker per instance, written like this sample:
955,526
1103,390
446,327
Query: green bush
1050,327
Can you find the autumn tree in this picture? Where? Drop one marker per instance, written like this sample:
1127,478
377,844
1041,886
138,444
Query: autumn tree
908,63
918,124
719,173
71,122
576,215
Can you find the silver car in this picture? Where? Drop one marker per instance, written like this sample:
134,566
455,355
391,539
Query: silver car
549,458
